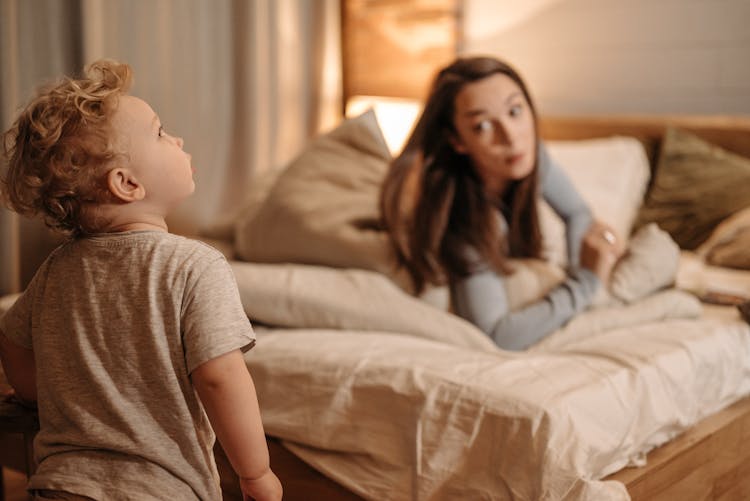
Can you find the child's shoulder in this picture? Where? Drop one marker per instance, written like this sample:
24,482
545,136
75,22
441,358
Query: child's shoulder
185,245
193,252
197,244
160,245
173,253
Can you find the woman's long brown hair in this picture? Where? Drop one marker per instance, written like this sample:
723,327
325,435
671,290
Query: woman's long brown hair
432,201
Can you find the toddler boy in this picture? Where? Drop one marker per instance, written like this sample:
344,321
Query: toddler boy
128,337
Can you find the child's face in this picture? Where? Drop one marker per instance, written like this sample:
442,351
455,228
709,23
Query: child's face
156,158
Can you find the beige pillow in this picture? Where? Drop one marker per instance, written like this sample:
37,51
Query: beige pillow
649,265
305,296
729,244
323,209
257,192
696,186
611,175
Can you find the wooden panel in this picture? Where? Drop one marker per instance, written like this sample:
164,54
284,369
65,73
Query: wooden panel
709,461
729,132
394,48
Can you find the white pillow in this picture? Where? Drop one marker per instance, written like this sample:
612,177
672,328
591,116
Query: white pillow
611,175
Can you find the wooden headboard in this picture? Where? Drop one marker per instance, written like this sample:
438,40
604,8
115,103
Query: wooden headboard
731,132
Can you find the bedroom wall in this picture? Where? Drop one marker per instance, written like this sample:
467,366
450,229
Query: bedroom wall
610,56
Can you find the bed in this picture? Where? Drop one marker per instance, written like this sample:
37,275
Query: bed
370,393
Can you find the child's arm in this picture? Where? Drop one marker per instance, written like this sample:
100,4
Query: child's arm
228,394
19,367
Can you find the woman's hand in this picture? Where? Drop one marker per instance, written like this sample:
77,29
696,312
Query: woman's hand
267,487
600,250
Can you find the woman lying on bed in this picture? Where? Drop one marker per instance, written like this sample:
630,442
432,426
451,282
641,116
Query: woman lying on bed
461,200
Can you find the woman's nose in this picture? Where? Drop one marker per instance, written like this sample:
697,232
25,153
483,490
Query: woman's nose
502,133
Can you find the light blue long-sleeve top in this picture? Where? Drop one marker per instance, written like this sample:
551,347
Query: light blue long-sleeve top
482,299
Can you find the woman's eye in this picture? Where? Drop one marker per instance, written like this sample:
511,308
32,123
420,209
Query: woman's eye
161,131
483,126
515,110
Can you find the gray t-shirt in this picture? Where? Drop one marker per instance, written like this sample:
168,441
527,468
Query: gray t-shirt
482,298
117,323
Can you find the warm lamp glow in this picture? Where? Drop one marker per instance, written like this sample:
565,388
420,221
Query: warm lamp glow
396,116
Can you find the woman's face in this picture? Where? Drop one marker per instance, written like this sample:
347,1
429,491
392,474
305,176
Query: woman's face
495,128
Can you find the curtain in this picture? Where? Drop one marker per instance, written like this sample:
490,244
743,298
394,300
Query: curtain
245,83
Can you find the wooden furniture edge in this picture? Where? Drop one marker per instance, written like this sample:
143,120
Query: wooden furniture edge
731,132
710,460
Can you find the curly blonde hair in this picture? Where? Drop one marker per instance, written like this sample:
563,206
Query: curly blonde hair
59,148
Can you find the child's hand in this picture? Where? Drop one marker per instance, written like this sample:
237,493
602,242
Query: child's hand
7,395
267,487
11,397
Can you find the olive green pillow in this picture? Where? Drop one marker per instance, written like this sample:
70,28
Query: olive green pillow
696,186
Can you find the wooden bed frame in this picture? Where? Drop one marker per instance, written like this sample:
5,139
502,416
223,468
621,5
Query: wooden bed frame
709,461
729,132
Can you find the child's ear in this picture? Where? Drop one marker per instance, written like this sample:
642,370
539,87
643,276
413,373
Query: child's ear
123,184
